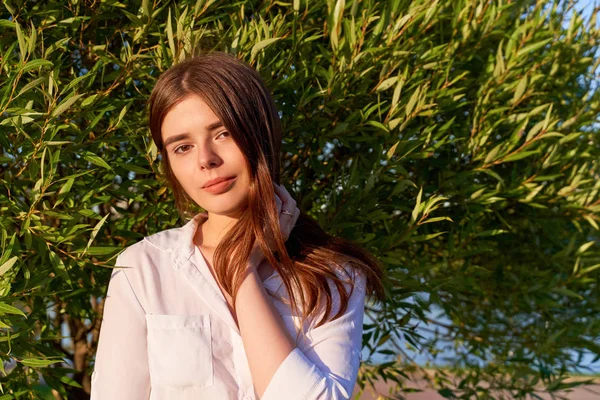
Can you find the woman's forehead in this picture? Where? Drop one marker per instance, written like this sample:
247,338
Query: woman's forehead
191,115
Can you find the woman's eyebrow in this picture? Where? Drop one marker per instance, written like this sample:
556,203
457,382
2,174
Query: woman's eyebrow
186,135
176,138
214,125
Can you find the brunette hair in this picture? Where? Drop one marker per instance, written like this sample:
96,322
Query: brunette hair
238,96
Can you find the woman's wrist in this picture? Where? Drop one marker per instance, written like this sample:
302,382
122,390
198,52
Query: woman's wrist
251,280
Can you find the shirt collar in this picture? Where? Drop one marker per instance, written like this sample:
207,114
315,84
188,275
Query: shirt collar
179,242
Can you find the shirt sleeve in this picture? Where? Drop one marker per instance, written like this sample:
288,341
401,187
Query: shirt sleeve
121,366
329,367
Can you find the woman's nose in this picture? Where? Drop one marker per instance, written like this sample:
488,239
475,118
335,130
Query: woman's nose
208,158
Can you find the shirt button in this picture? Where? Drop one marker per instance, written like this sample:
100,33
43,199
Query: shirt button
248,397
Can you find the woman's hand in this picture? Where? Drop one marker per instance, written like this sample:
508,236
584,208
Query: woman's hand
288,215
287,210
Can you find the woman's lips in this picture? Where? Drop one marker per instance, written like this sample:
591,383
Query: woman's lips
221,187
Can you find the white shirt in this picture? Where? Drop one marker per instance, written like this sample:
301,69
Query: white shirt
167,333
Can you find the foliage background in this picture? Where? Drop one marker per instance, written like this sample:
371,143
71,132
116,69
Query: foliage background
457,140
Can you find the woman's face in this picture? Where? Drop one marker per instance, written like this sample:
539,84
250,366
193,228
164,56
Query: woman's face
201,150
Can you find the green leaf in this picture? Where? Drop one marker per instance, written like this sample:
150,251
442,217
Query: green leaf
134,168
32,39
34,64
98,250
492,155
392,150
588,270
519,156
31,84
170,36
491,232
412,101
95,232
567,292
592,222
533,47
21,39
261,45
547,118
534,131
570,137
39,362
94,159
59,267
422,238
378,125
69,381
415,211
386,84
8,339
57,142
89,100
584,247
62,107
437,219
500,66
336,22
146,8
7,309
8,265
520,90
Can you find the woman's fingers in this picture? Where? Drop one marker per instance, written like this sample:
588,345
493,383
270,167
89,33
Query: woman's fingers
278,203
294,219
288,203
287,219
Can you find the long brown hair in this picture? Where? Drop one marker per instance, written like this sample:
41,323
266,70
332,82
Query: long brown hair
238,96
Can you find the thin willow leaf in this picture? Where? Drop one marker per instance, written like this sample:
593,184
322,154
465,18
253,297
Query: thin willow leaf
95,232
261,45
62,107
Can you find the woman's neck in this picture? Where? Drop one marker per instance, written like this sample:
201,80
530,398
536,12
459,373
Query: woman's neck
213,229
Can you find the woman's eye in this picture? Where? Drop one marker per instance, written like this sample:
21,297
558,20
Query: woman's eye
224,134
176,151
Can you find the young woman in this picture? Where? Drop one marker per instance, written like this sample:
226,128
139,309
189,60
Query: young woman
249,299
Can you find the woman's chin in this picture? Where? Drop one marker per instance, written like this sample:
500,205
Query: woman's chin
232,211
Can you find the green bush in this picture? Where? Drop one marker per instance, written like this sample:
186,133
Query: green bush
457,140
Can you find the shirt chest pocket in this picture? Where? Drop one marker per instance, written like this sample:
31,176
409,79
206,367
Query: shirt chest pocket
180,351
